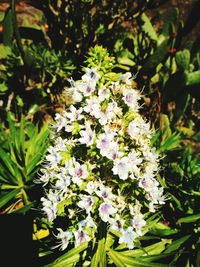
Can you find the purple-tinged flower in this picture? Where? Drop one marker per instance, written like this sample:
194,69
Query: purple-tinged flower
104,142
91,75
78,172
105,193
74,114
121,168
81,236
86,203
105,210
137,223
130,98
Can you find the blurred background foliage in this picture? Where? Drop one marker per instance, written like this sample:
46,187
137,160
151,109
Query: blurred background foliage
44,43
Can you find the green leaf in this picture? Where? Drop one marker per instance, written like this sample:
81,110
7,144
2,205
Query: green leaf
7,197
4,51
170,18
154,60
114,256
183,59
189,219
9,169
3,88
70,256
157,257
148,250
192,78
175,245
162,230
69,262
99,258
148,28
118,259
171,143
110,239
125,60
2,15
8,28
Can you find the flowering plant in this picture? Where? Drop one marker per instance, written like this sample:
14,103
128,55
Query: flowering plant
101,167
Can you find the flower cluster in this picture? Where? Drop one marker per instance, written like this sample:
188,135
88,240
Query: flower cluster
101,166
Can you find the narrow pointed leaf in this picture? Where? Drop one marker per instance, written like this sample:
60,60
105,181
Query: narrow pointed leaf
7,197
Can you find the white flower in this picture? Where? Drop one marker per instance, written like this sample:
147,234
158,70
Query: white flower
87,88
88,222
105,210
100,141
130,97
121,168
151,156
135,209
60,144
152,167
103,93
53,157
113,107
134,158
91,187
74,91
77,96
117,223
134,129
74,114
63,182
86,203
138,222
81,236
104,142
49,207
126,78
156,195
87,136
45,177
60,122
91,75
78,172
139,128
128,236
65,237
152,207
113,152
109,113
105,193
93,107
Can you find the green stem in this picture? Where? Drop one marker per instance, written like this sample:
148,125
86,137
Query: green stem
7,186
16,31
26,200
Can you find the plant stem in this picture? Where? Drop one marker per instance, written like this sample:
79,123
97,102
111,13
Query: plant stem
25,197
16,31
